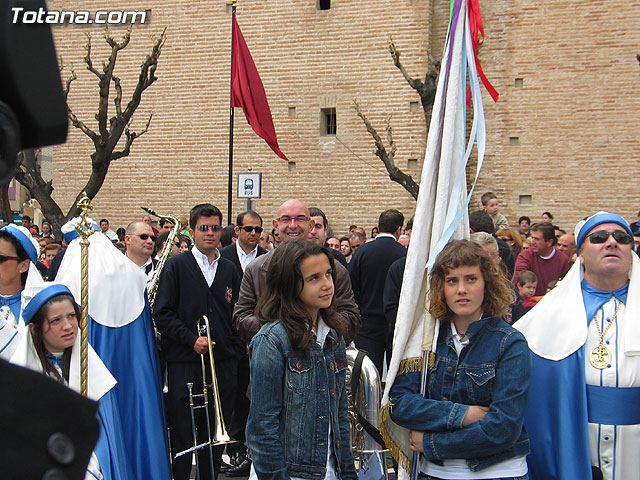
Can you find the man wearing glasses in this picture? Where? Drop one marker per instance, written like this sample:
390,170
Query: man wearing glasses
140,241
292,222
246,249
191,285
584,415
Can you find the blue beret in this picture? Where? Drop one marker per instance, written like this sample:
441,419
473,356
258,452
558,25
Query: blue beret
40,298
24,240
599,219
73,233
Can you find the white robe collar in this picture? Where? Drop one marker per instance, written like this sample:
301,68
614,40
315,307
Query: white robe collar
557,326
100,379
116,284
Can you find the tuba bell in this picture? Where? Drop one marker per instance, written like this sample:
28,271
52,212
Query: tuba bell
364,406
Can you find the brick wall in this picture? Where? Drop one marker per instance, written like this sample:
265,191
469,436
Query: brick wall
575,115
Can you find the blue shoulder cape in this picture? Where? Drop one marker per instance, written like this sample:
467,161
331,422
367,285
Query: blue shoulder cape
557,420
134,409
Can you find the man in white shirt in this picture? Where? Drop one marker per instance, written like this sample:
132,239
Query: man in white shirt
140,240
104,228
193,284
242,253
245,249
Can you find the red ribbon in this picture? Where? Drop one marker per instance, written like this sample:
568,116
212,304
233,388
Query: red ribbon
477,38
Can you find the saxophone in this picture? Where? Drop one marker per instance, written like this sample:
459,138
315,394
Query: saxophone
152,286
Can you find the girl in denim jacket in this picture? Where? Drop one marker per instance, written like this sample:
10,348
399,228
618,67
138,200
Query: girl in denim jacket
470,425
298,425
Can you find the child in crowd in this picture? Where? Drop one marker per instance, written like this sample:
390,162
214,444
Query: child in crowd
527,283
298,424
470,425
490,205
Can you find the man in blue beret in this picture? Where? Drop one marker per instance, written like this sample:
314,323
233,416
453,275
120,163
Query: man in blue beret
18,256
584,414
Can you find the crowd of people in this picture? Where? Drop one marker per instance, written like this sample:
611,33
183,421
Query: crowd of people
535,374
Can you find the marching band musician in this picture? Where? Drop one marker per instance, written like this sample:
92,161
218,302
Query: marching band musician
18,255
51,345
121,332
191,285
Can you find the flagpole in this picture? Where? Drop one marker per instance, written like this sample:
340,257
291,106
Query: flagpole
230,182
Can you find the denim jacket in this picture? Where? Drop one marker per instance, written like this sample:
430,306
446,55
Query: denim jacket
293,399
494,370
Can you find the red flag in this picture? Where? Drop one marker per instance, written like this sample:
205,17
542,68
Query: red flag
247,91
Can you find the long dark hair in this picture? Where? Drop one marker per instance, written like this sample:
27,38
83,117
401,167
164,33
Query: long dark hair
36,333
281,300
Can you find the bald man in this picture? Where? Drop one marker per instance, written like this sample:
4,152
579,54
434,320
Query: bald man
292,222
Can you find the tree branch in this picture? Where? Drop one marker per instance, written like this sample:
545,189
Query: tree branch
130,137
387,157
426,89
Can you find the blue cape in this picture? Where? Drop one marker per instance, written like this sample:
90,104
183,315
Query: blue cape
557,419
135,404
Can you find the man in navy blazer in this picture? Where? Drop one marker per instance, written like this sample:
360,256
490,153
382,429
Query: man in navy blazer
245,249
241,253
368,270
192,284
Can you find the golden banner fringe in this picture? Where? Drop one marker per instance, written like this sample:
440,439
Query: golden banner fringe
396,452
410,365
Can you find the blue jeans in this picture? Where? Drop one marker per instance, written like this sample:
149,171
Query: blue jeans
429,477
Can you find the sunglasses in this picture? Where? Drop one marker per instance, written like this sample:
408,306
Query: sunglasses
4,258
205,228
146,236
601,236
251,229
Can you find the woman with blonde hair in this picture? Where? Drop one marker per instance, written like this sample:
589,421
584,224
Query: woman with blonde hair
470,423
513,238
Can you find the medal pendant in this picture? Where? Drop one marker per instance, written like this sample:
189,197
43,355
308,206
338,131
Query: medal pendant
600,356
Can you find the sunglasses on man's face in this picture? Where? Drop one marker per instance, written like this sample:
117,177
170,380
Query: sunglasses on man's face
205,228
250,229
601,236
4,258
145,236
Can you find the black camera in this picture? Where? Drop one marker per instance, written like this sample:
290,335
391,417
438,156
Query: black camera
33,112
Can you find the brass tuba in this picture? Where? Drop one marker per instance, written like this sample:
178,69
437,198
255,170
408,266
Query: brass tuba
366,402
152,286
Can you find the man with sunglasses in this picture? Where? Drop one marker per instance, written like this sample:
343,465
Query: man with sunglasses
584,414
192,284
140,241
246,249
18,256
241,253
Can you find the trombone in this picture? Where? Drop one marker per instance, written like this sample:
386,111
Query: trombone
199,401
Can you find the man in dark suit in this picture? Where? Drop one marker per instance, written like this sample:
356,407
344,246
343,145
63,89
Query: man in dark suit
318,233
241,253
245,249
191,285
368,270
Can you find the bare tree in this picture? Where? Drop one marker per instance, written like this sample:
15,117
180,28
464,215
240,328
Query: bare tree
426,90
111,127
